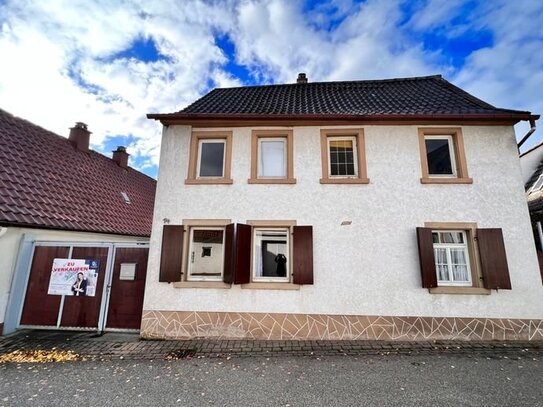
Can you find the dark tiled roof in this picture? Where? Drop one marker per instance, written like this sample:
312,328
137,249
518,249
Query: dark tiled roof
45,182
426,96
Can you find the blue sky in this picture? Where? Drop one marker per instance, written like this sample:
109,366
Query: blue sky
108,63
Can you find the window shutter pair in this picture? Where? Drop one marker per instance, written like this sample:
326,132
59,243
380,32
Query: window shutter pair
237,254
491,252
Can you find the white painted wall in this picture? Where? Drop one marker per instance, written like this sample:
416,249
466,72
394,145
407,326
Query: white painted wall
9,248
530,161
372,266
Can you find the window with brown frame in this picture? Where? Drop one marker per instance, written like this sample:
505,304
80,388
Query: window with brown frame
442,156
218,253
343,157
210,158
272,157
459,258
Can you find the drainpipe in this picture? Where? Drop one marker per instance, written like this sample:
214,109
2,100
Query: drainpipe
530,132
540,233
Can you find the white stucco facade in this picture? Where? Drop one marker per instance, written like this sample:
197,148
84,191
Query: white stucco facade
9,248
370,267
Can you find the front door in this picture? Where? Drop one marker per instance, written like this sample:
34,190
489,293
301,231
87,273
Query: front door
127,288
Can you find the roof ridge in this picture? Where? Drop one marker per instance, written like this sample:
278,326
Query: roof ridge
66,140
409,78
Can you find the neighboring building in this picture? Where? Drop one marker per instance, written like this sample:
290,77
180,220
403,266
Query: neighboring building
531,163
384,209
58,199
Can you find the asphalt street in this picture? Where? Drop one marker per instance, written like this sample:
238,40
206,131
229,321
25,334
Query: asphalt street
449,380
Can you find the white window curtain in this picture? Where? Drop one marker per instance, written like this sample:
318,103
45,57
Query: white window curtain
272,158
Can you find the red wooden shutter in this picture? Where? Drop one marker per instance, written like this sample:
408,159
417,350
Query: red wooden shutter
229,254
302,248
426,257
171,257
242,262
493,259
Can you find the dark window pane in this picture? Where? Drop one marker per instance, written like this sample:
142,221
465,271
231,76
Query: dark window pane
438,156
211,159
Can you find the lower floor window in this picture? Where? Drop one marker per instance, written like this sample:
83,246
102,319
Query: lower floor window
451,257
271,254
206,254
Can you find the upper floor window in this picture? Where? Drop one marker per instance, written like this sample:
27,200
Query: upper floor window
210,158
343,157
272,157
442,156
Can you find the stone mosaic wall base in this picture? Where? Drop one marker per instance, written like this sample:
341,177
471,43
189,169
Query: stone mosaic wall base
241,325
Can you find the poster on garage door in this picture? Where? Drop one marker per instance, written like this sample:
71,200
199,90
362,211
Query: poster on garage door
75,277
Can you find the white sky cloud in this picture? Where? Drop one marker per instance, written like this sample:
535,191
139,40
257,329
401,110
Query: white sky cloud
51,49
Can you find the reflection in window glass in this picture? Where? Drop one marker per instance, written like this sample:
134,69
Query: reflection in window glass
271,254
206,254
439,156
211,162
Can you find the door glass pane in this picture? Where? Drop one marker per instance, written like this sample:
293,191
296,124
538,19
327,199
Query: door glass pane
211,159
438,156
206,253
271,254
272,158
342,158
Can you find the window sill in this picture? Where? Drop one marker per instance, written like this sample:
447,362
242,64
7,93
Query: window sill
271,181
459,290
211,181
271,286
344,181
201,284
446,180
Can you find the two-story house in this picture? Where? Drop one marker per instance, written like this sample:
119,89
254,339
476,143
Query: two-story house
383,209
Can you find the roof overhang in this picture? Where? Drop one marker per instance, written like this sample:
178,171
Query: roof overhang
243,119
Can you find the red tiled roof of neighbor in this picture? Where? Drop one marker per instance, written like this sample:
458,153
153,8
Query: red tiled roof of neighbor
429,97
45,182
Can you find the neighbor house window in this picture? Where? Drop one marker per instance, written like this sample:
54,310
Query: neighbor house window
451,257
210,158
442,156
206,254
272,157
271,254
343,156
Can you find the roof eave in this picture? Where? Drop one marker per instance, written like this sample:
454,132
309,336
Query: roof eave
189,118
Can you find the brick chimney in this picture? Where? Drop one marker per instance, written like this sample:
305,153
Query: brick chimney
302,78
120,156
79,136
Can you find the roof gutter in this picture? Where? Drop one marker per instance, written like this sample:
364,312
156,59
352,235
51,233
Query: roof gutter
530,132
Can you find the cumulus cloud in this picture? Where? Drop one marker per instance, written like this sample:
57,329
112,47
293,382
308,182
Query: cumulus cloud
66,60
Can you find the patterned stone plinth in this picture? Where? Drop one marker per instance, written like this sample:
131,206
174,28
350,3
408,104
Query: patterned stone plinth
241,325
